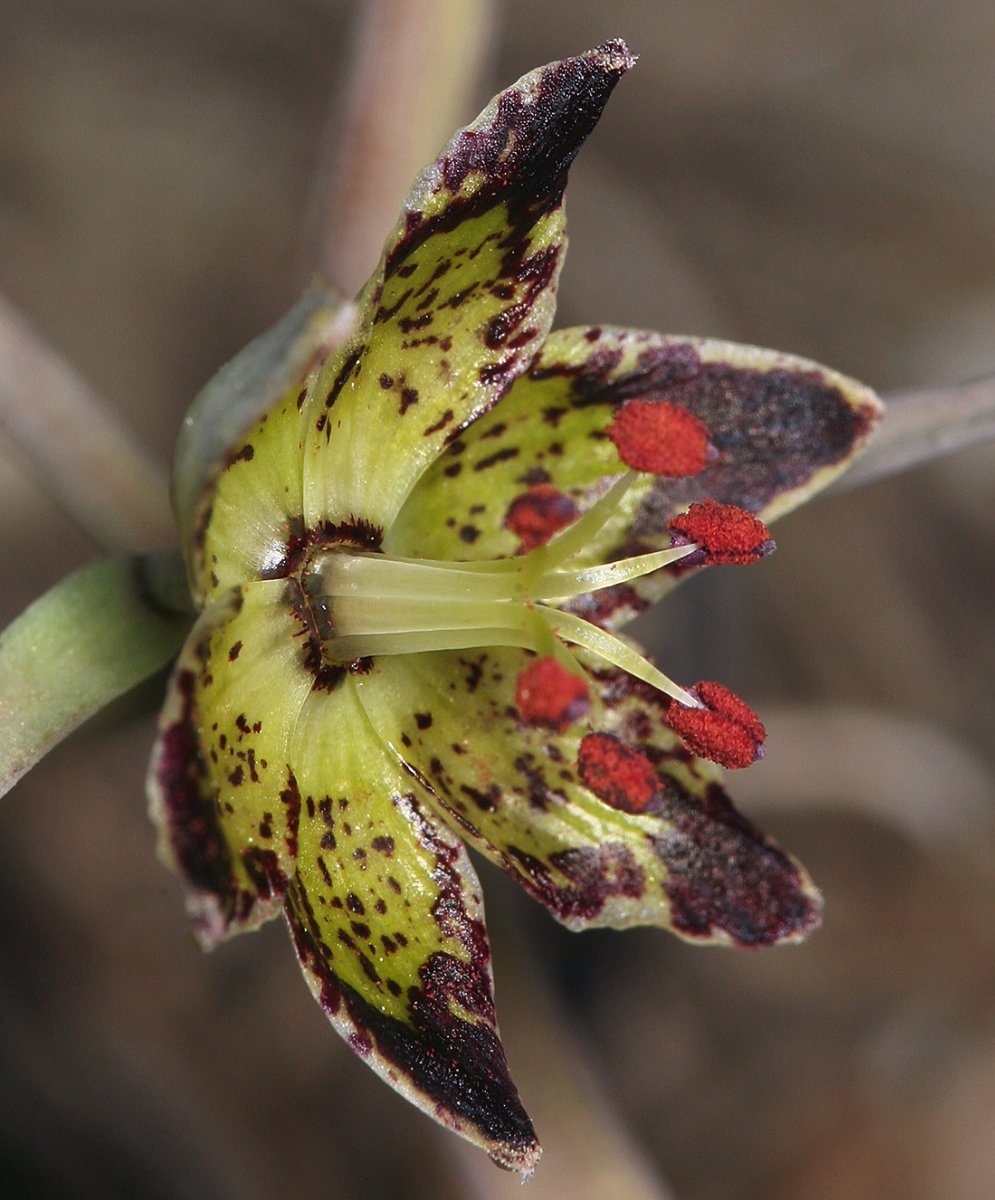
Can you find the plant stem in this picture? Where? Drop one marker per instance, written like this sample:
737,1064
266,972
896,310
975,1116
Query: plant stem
925,424
414,72
93,467
590,1150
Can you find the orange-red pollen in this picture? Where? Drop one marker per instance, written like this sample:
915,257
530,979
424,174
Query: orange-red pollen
616,773
548,694
651,435
538,513
726,731
723,533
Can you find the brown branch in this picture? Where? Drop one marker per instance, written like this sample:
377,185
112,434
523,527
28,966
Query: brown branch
86,459
414,72
589,1151
923,425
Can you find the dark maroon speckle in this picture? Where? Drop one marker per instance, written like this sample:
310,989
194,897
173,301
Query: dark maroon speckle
724,875
594,875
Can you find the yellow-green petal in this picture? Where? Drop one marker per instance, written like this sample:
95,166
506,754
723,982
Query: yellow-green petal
237,465
689,862
387,918
462,299
783,427
221,784
249,528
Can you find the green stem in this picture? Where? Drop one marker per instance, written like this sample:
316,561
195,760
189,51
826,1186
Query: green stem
91,638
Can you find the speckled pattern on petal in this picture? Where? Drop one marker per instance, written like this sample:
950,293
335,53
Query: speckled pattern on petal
463,298
222,787
689,862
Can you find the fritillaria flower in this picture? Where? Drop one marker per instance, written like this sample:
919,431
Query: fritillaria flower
410,573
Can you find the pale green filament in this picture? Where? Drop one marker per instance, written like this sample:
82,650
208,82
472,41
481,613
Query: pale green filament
378,604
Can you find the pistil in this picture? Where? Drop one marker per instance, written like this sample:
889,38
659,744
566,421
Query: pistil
372,604
380,604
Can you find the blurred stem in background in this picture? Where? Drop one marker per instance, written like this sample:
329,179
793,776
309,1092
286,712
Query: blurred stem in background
415,74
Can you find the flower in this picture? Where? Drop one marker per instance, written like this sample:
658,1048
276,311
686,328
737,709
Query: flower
409,573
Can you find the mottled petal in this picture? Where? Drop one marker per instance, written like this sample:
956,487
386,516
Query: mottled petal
221,785
782,427
463,296
387,917
676,855
215,466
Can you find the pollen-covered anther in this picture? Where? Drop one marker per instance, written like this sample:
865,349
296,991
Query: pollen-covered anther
537,514
723,533
617,774
725,729
548,694
653,436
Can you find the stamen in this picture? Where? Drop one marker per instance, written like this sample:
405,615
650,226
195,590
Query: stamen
661,438
548,694
539,513
722,533
723,728
617,774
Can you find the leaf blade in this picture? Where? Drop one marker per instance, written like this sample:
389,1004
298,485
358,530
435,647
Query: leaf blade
89,639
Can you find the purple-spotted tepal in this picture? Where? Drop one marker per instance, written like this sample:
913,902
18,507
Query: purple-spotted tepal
410,572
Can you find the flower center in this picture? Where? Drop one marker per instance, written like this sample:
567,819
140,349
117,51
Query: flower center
365,604
378,604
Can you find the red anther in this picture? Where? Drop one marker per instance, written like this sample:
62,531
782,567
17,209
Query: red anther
723,532
539,513
548,694
661,438
616,773
726,731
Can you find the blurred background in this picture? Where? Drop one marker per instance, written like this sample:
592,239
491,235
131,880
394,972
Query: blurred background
817,178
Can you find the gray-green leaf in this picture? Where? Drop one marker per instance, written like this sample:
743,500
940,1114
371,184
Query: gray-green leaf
90,638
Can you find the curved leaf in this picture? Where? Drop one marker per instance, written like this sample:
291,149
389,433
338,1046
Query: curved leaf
89,639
